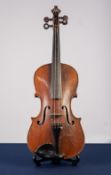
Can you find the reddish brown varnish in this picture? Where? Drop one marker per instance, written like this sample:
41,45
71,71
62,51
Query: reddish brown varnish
71,139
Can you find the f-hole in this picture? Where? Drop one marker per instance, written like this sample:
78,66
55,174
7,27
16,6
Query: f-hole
44,116
67,116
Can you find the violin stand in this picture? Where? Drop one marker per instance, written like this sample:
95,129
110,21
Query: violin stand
55,160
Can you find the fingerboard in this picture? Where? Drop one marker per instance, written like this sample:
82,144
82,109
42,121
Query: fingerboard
56,85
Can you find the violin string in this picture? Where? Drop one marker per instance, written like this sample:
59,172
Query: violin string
54,78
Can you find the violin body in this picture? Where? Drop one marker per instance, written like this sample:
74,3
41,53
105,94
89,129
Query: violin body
55,132
71,136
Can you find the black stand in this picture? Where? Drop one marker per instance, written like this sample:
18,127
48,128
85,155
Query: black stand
55,160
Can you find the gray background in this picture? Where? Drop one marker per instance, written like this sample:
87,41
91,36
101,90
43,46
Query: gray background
25,45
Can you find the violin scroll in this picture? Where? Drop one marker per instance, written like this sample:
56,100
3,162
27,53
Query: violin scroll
56,19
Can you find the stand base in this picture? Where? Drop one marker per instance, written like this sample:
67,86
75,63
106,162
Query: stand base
55,160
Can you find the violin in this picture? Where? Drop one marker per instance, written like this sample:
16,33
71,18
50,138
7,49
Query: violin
55,131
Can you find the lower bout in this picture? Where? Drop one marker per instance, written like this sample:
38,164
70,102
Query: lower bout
70,140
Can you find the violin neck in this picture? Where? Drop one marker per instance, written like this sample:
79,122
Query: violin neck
56,85
56,45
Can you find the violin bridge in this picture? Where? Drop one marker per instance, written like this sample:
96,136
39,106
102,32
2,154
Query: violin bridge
55,115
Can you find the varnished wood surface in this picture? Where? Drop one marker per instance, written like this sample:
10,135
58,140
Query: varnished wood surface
71,139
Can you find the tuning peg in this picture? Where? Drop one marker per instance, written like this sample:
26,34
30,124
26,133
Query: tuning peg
47,19
65,20
46,26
